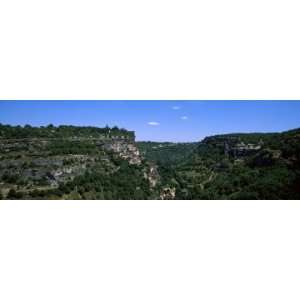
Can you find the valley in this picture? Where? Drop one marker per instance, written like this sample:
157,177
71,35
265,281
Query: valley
73,162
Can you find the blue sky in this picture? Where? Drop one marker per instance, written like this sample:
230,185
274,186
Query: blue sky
176,121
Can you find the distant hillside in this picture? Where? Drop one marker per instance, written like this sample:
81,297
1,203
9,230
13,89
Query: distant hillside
288,142
166,154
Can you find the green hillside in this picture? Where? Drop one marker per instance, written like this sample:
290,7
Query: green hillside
166,154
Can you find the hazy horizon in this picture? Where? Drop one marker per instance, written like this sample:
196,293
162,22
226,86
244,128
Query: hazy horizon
159,120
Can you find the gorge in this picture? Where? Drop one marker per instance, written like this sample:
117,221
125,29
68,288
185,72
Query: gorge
73,162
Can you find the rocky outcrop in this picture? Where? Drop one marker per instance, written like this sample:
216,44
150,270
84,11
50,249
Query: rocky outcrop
168,193
234,146
48,162
125,150
152,175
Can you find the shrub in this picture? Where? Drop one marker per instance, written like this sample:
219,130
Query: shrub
12,194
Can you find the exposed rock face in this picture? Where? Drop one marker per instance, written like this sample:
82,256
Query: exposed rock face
152,175
242,149
30,172
234,146
126,150
31,163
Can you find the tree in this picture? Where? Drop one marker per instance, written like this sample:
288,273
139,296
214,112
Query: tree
19,195
73,196
138,194
12,194
34,193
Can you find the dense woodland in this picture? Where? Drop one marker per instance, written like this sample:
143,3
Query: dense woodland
69,162
63,131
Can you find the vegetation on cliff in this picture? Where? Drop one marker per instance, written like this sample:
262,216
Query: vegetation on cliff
69,162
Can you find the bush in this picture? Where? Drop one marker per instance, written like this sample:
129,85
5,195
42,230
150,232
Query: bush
12,194
19,195
34,193
244,196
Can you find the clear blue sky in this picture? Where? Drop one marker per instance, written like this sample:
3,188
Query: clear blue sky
177,121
